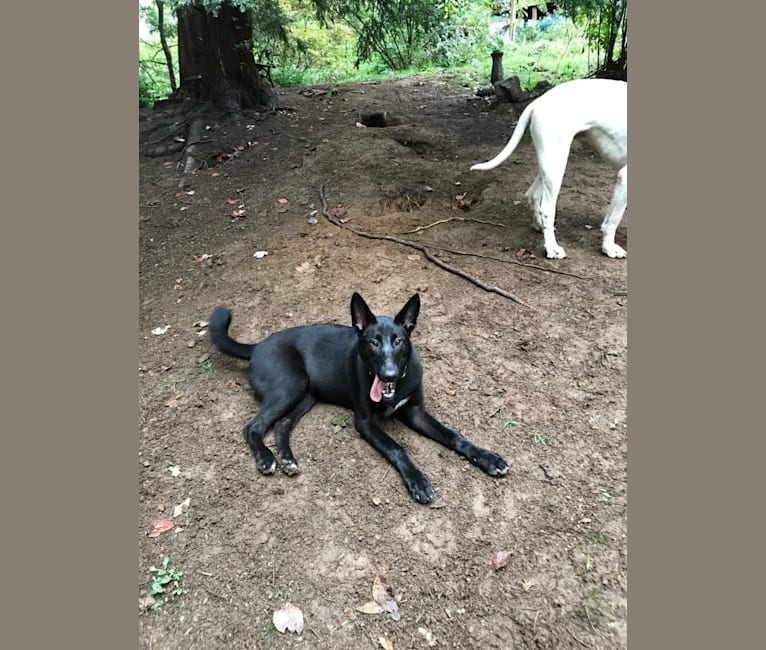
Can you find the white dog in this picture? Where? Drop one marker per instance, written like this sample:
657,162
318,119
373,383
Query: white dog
596,109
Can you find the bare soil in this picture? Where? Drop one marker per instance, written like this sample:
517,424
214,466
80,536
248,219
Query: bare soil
544,385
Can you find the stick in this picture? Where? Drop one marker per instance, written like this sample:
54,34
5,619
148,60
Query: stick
416,246
528,266
436,223
582,643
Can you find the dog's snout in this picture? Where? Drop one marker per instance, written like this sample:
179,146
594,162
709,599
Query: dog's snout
389,374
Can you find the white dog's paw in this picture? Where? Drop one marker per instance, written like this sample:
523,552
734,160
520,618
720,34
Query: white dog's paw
613,250
555,253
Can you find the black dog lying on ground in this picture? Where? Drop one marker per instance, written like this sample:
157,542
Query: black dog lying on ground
371,368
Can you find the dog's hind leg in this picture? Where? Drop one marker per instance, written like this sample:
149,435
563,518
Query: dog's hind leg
614,216
420,420
534,195
272,409
282,430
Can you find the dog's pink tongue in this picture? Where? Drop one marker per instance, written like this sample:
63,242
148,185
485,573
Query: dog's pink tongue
376,392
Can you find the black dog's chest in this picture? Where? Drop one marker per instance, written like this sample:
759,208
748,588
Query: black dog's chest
390,407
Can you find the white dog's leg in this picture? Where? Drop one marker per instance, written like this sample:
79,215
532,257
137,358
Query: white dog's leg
551,162
614,216
534,196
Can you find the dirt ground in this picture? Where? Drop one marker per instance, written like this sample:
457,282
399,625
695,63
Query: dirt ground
544,385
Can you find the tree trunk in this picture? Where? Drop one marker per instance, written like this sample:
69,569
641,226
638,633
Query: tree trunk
215,58
512,18
165,48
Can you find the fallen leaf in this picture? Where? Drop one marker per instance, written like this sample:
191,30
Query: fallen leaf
232,201
370,607
500,559
385,643
303,267
159,331
215,174
325,140
178,510
289,618
236,213
160,526
180,194
283,200
384,596
175,470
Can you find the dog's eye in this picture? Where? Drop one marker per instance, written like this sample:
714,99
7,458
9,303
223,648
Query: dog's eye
397,343
374,343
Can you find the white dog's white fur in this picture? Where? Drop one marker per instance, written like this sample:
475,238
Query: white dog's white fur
596,109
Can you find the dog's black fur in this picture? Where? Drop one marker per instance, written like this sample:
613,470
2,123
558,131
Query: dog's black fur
370,368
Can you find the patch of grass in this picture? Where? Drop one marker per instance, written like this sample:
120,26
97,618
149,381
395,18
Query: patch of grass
283,593
619,423
166,583
339,421
604,498
498,409
170,384
207,367
538,438
588,563
269,631
511,423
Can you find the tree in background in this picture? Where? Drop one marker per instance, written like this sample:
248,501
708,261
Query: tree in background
606,25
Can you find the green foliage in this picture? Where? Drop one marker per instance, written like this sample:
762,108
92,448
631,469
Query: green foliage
318,42
166,583
339,421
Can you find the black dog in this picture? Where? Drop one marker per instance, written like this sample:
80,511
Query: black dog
370,368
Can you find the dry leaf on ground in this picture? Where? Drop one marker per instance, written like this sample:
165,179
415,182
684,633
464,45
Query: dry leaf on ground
288,618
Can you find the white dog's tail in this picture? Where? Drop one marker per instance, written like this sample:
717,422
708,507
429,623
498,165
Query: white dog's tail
518,133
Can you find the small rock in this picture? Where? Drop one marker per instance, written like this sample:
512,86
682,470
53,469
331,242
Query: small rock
191,344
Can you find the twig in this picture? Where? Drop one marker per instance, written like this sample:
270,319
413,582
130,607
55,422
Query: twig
592,627
436,223
416,246
528,266
580,641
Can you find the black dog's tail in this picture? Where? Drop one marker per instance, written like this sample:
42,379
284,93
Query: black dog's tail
218,326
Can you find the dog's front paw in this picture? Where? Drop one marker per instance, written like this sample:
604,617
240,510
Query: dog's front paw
555,252
613,250
491,463
419,487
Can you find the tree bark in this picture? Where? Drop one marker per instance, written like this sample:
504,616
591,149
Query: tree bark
215,58
164,42
511,18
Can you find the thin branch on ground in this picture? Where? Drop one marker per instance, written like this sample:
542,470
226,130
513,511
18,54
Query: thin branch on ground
580,641
436,223
498,259
420,247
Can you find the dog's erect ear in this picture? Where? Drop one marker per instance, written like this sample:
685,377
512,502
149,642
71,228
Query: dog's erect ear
361,316
408,316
